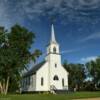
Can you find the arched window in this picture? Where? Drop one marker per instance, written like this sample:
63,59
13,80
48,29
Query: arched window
42,81
56,78
54,50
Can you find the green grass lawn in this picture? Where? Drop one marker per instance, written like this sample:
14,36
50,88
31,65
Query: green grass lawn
68,96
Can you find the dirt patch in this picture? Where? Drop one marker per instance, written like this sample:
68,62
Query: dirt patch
89,99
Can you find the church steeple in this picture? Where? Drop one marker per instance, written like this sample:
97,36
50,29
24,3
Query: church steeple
53,39
53,47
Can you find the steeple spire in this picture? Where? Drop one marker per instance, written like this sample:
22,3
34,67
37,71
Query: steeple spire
53,40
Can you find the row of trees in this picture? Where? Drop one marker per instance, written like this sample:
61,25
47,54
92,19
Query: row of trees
94,72
76,75
84,76
15,55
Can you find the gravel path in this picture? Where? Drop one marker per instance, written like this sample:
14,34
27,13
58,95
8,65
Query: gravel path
89,99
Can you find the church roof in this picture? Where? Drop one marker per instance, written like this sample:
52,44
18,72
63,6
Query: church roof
34,69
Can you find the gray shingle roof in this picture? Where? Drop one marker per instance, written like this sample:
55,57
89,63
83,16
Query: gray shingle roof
34,69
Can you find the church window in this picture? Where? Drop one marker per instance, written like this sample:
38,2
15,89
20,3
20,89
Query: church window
56,78
54,50
55,65
31,81
28,80
42,81
62,82
22,83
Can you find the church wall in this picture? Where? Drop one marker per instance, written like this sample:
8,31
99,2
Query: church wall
42,73
65,75
29,83
32,86
61,75
57,70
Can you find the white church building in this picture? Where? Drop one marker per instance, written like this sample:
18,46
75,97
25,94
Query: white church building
48,75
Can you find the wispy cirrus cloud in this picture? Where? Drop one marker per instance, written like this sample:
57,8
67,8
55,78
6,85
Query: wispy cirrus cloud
33,9
91,37
10,13
72,50
68,8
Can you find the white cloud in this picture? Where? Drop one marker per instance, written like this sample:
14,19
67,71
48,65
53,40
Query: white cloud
66,8
9,15
4,17
91,37
87,59
68,51
72,50
69,9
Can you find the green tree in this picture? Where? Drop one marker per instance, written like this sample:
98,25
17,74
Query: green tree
15,54
94,70
76,75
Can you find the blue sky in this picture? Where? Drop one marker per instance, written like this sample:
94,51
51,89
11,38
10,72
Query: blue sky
76,22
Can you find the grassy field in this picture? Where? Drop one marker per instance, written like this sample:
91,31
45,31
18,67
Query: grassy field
68,96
